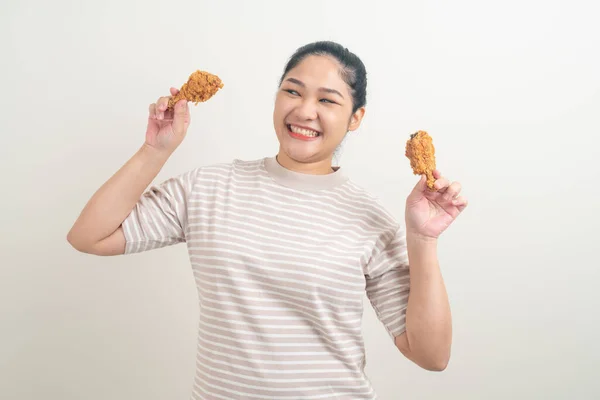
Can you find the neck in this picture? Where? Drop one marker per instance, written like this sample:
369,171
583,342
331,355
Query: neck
322,167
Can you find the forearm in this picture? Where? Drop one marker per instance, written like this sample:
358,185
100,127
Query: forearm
428,319
112,203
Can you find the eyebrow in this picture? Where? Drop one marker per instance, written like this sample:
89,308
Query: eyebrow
321,89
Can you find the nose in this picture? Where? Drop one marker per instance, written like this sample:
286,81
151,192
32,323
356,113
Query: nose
307,110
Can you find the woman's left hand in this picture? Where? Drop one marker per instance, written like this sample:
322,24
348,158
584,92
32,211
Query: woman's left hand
429,213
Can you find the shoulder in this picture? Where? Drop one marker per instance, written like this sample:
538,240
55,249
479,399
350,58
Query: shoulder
374,210
220,173
232,166
389,233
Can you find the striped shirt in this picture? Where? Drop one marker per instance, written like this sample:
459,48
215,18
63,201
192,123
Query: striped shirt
282,262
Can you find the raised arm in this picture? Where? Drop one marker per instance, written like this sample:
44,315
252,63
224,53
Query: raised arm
428,337
98,229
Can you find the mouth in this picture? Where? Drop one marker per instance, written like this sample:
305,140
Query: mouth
302,133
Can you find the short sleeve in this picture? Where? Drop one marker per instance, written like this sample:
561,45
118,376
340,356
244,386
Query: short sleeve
159,218
388,282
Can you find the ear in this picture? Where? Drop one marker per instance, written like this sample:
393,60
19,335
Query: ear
356,119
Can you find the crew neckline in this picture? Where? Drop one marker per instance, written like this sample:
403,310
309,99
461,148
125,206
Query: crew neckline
303,181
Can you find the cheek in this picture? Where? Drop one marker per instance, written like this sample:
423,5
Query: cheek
283,105
334,121
280,114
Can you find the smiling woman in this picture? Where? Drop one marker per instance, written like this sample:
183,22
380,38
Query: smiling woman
321,98
280,281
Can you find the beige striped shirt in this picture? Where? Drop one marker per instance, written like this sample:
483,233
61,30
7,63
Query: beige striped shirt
282,262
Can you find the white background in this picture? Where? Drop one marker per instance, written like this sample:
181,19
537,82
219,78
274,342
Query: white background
510,92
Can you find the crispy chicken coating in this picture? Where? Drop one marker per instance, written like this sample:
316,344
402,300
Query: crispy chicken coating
421,153
200,87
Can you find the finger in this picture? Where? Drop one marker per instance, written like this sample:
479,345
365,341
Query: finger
181,116
418,191
174,91
460,202
420,188
168,115
422,184
162,105
152,111
436,173
452,191
441,184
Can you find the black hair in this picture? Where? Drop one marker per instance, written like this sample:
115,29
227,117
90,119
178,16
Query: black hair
353,70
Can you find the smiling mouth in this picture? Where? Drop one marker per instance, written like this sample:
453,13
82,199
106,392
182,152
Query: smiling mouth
307,133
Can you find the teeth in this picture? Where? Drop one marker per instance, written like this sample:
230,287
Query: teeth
303,132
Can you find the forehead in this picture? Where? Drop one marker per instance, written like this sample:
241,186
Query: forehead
319,71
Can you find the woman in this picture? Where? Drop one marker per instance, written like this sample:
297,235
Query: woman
284,248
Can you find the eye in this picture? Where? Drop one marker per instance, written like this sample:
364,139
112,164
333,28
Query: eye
328,101
291,91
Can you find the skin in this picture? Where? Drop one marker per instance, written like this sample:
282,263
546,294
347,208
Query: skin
98,230
313,95
427,339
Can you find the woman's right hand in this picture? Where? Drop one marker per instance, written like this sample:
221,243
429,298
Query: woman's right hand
167,128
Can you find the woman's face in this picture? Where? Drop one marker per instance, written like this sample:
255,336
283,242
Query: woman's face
313,113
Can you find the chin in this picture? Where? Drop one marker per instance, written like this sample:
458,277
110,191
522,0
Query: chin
300,155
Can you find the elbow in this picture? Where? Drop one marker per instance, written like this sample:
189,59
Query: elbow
433,363
74,240
437,364
436,361
425,357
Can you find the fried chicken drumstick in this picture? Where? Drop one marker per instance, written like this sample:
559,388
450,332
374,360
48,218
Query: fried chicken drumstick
421,153
200,87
